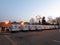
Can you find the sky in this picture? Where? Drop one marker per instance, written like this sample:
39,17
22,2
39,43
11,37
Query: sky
24,10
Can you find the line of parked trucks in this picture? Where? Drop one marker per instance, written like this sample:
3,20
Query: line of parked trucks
17,27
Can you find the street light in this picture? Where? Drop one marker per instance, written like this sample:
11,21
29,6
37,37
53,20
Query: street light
6,22
6,25
22,23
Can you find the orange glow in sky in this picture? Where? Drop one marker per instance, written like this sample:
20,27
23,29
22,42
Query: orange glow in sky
6,22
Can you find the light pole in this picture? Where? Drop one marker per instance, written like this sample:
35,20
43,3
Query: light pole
22,24
6,25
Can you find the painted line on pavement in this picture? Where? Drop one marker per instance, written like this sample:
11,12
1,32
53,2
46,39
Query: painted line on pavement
10,40
56,41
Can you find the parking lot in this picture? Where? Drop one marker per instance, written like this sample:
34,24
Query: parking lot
46,37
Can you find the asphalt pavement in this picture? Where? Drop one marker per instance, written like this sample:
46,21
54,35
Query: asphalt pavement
4,41
46,37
